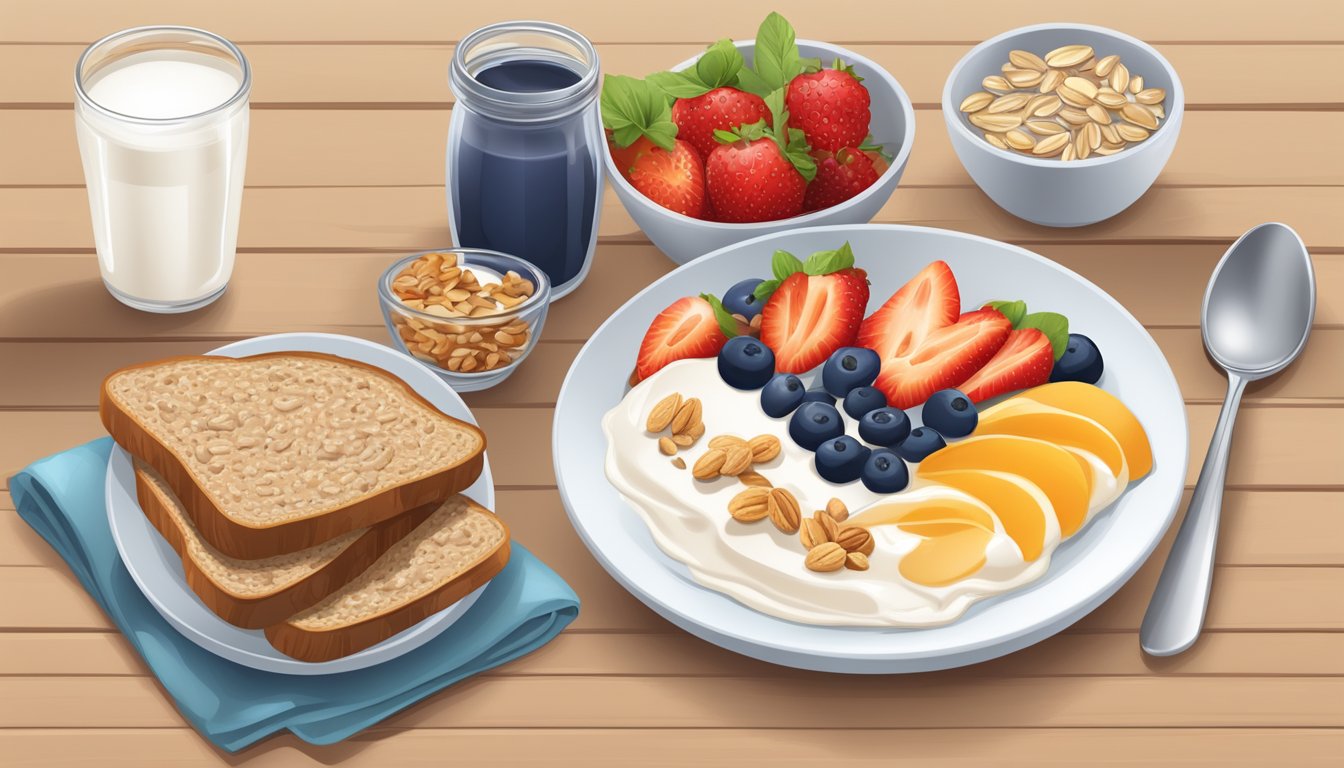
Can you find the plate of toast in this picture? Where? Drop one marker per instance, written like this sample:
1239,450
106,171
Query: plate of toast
300,503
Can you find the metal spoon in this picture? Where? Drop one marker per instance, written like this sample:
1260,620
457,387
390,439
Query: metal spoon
1257,315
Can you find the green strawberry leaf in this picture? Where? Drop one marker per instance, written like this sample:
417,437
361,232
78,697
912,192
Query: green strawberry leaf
846,68
1055,327
796,150
719,64
783,264
633,108
809,66
827,262
869,145
776,56
726,322
725,137
766,289
1013,310
678,85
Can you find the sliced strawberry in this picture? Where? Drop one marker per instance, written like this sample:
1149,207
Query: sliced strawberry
943,358
810,316
1023,361
928,302
687,329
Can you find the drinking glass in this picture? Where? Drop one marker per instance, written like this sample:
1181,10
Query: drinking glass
161,114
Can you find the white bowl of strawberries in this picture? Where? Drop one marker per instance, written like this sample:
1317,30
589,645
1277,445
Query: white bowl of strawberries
730,145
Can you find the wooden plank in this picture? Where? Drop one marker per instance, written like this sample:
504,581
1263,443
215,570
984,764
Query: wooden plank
295,147
675,748
677,654
522,435
413,218
75,369
1278,599
833,701
417,20
1259,528
37,290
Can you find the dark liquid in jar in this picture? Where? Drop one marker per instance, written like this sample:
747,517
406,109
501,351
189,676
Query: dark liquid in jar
529,191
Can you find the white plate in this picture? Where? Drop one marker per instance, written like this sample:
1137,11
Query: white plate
157,569
1084,571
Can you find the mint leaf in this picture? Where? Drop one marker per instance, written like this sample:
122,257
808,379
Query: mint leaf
827,262
751,82
776,54
719,64
1055,327
766,289
726,322
783,264
797,151
633,108
678,85
1013,310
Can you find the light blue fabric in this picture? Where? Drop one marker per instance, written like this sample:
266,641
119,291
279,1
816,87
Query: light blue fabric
525,606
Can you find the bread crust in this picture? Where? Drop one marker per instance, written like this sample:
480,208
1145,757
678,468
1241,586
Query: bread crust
240,540
263,610
327,644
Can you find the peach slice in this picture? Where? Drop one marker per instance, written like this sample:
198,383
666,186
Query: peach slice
1027,418
953,536
1019,505
1052,469
1105,409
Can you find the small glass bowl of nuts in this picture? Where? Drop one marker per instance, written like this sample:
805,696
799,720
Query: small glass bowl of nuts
1063,124
470,315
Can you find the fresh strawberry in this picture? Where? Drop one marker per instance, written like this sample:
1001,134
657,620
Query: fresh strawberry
675,180
830,106
625,157
944,358
720,109
812,308
929,301
840,176
759,173
687,329
1024,360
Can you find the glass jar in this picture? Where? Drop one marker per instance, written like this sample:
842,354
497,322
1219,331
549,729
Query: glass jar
524,170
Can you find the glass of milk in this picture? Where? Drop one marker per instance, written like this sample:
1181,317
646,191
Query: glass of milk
161,114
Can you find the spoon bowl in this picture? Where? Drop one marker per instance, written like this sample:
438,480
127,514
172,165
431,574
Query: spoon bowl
1259,303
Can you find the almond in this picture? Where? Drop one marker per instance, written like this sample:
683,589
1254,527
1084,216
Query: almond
837,510
750,505
811,534
687,414
667,447
660,417
827,524
754,479
825,557
736,460
708,465
855,539
784,511
679,463
682,441
763,448
856,561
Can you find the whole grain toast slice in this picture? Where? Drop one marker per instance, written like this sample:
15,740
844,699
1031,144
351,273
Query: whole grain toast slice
276,453
457,549
257,593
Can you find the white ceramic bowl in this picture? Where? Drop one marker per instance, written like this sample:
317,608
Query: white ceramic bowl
684,238
1047,190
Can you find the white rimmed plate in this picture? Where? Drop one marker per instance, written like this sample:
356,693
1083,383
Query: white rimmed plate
157,569
1084,571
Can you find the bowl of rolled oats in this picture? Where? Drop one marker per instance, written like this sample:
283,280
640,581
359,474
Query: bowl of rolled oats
1063,124
468,314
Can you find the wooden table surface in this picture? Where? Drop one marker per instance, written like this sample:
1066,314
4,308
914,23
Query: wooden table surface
350,110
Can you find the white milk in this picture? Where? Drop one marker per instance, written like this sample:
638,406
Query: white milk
164,196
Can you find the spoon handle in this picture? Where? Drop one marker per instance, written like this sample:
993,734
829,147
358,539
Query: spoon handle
1176,612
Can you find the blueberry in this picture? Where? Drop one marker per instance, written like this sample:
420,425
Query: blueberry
746,363
849,367
922,443
841,460
884,426
818,396
1081,361
815,423
782,394
741,299
951,413
861,400
885,472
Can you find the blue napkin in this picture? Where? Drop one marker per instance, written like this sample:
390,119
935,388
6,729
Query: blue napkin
525,606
